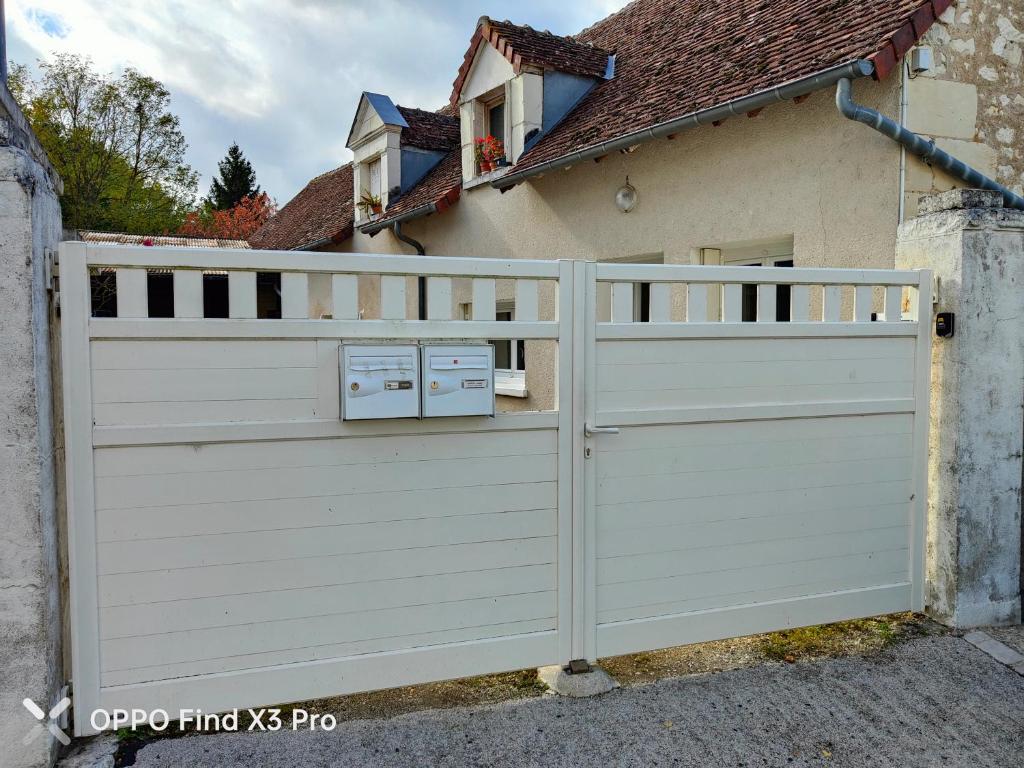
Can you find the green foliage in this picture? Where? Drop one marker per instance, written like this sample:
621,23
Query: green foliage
114,142
237,181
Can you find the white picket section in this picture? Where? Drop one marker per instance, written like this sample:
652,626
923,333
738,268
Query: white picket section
233,543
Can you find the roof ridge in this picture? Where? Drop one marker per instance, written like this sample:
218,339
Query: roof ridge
328,173
597,23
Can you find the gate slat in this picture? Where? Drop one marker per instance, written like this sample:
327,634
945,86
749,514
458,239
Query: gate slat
242,295
345,297
766,303
893,304
526,300
294,295
622,302
439,298
697,303
863,296
132,293
831,303
800,303
188,293
732,303
392,297
483,299
661,302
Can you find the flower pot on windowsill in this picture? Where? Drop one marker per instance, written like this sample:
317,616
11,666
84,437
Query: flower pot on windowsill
486,166
376,210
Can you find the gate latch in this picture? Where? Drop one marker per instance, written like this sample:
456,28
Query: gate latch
590,430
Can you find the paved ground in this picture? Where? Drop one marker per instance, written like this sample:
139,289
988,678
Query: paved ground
933,701
1011,636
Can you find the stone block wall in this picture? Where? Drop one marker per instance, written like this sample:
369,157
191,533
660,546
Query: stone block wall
972,101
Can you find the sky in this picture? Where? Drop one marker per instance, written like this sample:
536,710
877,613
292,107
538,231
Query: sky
280,77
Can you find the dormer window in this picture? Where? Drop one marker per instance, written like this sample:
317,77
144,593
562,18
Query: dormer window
496,118
515,84
373,171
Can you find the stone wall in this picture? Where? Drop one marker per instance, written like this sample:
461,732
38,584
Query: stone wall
976,250
30,597
972,101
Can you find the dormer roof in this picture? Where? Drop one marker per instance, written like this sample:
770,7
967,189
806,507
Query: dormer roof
525,46
435,131
382,106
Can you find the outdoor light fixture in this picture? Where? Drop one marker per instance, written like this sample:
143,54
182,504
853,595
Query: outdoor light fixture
626,197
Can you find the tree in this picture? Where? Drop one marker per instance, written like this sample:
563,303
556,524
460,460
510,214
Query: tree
237,180
238,223
114,142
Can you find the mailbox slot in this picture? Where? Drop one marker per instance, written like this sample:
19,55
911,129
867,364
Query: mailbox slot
379,382
458,380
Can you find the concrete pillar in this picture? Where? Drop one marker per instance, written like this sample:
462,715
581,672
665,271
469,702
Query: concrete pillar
30,603
976,249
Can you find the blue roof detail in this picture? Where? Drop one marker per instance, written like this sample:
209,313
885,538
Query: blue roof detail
385,109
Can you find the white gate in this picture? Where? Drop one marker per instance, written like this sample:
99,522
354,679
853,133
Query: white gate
752,476
233,543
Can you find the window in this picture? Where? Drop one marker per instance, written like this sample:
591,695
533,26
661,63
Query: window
373,178
509,354
782,292
496,119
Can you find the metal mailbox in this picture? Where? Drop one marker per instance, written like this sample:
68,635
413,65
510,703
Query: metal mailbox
458,380
380,382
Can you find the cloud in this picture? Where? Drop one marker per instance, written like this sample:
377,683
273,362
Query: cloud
280,77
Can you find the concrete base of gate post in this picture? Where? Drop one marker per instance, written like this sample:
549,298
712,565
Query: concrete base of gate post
578,686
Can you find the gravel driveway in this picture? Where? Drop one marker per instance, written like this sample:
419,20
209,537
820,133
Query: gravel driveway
932,701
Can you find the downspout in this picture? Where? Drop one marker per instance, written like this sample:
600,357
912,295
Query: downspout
421,282
920,147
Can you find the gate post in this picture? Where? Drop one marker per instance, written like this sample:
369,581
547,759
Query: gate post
976,250
31,664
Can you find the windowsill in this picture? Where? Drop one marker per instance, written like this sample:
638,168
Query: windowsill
486,178
510,384
520,392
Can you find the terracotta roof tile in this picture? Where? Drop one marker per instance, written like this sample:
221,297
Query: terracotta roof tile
180,241
442,187
323,211
675,57
438,131
523,45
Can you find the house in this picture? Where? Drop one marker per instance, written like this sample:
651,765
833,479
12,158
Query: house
678,131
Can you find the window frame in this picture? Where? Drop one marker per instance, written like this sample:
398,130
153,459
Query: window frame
508,382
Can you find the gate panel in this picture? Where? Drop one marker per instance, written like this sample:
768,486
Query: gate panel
235,544
765,475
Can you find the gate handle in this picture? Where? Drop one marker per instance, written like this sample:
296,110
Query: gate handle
590,431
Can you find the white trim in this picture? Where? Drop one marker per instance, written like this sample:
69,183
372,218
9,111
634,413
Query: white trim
739,330
115,328
76,307
306,261
686,273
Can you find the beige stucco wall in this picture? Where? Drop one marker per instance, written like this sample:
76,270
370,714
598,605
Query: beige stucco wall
795,171
971,102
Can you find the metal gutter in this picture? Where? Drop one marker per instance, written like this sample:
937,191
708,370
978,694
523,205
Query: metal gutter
791,90
919,146
374,227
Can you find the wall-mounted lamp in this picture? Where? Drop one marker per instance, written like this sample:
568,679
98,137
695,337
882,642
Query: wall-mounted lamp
626,197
